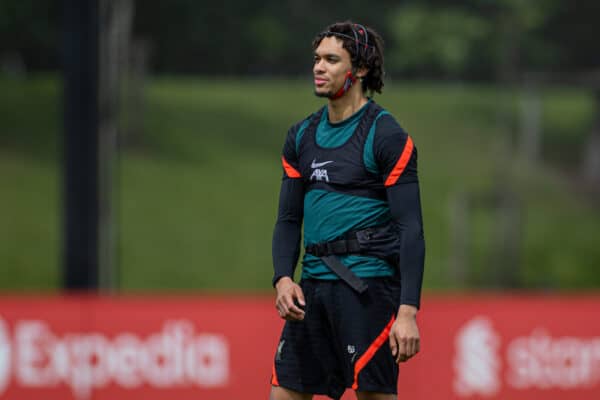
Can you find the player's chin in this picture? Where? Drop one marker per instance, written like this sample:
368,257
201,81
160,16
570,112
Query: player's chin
321,92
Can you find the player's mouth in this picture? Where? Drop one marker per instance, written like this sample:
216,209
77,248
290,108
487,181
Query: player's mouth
320,81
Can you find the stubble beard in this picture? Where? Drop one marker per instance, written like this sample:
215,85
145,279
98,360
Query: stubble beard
327,94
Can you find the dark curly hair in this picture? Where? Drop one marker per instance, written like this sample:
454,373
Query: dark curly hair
367,52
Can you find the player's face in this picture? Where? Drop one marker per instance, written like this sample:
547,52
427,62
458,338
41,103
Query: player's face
331,63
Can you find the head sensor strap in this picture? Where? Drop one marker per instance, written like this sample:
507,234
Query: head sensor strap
355,39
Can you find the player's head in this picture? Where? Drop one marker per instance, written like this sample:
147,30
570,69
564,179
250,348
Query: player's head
357,52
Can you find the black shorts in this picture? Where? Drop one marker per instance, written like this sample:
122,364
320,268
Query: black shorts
342,341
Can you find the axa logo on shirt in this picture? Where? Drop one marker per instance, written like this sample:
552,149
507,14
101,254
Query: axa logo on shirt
537,361
173,357
319,173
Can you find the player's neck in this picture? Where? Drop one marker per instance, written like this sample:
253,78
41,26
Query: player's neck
347,105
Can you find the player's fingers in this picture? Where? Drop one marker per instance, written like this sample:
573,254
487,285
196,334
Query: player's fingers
277,305
410,348
292,309
297,314
290,315
282,310
294,313
293,317
283,305
402,355
281,313
393,345
300,296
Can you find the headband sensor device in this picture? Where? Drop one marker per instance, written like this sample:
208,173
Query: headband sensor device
360,38
361,47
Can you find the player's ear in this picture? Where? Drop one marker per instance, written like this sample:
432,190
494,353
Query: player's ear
361,72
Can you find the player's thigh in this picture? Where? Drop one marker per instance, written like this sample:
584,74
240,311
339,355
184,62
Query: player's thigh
363,322
279,393
375,396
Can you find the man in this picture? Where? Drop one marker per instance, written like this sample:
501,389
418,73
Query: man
350,176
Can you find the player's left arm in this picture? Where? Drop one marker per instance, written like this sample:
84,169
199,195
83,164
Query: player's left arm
396,154
406,211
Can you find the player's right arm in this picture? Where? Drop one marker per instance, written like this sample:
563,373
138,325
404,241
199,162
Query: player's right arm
287,234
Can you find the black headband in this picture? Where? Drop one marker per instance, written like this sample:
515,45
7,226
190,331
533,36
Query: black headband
361,31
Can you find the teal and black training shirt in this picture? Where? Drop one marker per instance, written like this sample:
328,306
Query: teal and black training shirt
386,154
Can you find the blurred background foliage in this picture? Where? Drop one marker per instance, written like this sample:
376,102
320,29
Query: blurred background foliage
220,83
437,39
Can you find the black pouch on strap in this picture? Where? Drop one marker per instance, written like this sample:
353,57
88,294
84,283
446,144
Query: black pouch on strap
381,241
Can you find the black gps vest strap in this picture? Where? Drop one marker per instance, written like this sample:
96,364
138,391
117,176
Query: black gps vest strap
342,246
382,241
327,253
344,273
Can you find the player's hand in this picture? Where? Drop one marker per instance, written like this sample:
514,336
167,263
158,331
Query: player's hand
405,341
289,300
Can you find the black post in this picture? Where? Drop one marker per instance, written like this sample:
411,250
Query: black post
81,208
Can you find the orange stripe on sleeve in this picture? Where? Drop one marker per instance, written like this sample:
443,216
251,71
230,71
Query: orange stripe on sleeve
274,380
290,171
401,164
366,357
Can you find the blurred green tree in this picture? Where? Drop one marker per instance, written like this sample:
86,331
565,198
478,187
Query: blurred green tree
440,41
467,39
30,32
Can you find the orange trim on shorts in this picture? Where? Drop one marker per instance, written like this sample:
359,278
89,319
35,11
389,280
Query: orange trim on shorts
274,380
290,171
401,164
366,357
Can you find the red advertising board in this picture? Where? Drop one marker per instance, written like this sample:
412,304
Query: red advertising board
222,348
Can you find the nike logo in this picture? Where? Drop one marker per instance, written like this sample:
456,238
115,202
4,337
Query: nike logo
319,165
